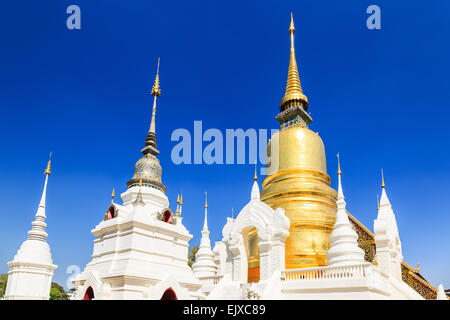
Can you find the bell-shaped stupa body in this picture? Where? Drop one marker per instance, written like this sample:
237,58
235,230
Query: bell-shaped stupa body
297,178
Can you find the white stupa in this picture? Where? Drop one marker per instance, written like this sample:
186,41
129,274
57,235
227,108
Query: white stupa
389,248
30,273
344,248
140,247
204,265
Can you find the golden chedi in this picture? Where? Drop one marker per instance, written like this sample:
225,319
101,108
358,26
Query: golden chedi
297,179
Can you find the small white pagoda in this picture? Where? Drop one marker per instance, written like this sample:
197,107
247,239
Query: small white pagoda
31,272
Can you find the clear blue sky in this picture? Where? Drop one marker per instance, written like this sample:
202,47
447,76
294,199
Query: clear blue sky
379,97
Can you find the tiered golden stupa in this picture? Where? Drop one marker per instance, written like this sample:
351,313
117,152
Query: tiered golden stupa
297,178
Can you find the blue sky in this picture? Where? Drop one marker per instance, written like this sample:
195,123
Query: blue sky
379,97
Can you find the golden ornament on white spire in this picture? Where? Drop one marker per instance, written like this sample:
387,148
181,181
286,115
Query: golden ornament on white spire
47,170
156,91
339,172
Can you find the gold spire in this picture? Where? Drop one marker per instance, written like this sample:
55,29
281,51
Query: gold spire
382,180
339,172
178,199
378,202
140,182
293,87
291,27
181,199
156,91
206,200
113,194
47,170
256,176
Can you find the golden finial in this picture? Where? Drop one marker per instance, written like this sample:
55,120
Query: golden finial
256,176
181,199
206,200
140,182
178,199
339,165
47,170
113,194
293,87
378,202
382,179
156,91
291,27
418,267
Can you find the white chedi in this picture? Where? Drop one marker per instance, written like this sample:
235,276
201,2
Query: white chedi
387,240
31,271
204,265
344,249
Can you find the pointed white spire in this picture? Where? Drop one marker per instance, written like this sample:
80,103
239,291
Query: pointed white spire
255,191
205,223
204,265
255,188
37,231
344,240
387,239
31,271
385,208
441,293
384,201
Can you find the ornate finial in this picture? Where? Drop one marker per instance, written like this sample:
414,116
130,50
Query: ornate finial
291,27
378,202
294,103
418,267
150,141
152,176
339,172
181,199
140,182
382,179
178,199
206,200
47,170
256,175
113,194
156,91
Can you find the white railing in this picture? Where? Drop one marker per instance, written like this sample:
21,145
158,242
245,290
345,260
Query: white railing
359,271
211,280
